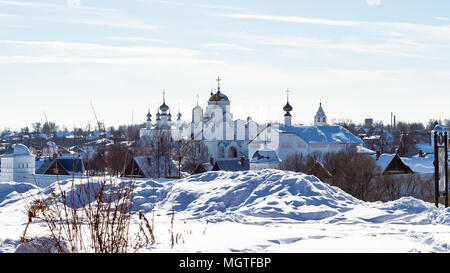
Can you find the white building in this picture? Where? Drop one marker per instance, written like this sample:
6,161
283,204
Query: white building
228,139
287,139
163,123
16,164
225,138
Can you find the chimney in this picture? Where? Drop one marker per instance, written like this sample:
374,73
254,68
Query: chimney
392,114
242,161
378,155
420,153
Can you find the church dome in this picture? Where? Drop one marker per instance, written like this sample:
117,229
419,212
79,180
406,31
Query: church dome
164,107
218,96
320,112
17,150
287,107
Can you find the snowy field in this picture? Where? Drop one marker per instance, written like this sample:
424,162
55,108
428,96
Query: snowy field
259,211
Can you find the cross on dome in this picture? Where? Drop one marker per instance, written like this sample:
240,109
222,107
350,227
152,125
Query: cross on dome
218,83
287,108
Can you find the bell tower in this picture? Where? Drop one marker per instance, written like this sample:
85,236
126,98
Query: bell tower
287,108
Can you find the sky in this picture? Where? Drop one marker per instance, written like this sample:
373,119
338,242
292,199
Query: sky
360,58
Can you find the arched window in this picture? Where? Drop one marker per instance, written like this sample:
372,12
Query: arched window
232,152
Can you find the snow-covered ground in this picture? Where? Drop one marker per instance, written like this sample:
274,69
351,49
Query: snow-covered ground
260,211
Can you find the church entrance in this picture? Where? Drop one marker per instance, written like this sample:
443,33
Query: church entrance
232,152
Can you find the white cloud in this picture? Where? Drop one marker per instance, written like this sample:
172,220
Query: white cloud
401,47
66,52
373,2
105,22
292,19
196,5
225,46
442,19
74,3
435,32
136,39
7,15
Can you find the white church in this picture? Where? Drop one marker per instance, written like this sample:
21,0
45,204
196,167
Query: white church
287,139
231,139
225,138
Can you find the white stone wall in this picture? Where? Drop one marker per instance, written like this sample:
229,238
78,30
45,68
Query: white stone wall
239,129
251,130
16,168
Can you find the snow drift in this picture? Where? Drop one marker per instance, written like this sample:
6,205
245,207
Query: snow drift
267,210
254,196
274,196
267,193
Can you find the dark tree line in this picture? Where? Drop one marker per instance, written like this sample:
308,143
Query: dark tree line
359,175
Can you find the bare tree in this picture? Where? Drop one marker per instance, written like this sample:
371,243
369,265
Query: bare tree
196,153
352,172
115,157
295,162
179,152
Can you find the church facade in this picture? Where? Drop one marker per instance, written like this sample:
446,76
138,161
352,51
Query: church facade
224,137
287,139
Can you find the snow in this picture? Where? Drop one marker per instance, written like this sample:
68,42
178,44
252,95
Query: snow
322,134
420,164
384,161
258,211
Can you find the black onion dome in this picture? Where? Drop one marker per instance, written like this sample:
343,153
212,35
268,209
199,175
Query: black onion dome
287,107
164,107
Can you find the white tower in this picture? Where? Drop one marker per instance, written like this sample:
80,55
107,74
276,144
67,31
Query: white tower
17,163
149,120
165,118
287,108
197,122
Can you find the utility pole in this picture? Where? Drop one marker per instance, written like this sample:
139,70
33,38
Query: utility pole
440,137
